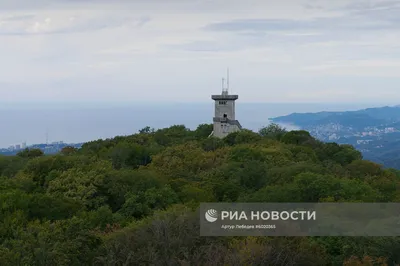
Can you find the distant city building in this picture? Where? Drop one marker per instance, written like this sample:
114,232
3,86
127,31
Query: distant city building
224,118
46,148
390,130
333,137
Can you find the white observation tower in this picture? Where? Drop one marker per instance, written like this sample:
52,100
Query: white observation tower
224,119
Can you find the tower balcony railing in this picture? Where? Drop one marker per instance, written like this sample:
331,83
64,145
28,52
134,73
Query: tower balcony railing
222,97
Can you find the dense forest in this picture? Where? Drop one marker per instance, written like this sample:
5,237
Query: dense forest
132,200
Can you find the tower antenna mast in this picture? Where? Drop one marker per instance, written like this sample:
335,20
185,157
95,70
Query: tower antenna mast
227,80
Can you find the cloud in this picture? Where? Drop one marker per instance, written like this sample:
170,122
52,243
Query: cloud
205,46
67,22
384,12
272,47
371,6
357,63
372,67
143,21
320,24
260,25
16,17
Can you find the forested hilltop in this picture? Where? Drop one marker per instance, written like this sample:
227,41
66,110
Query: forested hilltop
133,200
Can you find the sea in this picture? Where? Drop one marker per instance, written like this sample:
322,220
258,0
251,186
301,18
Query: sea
78,122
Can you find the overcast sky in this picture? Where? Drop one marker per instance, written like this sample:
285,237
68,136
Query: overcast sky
178,50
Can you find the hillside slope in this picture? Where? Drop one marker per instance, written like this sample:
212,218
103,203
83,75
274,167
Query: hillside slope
373,131
132,200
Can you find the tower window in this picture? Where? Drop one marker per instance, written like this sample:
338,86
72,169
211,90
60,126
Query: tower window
225,115
222,102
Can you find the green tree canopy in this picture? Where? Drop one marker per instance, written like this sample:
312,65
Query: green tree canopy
133,200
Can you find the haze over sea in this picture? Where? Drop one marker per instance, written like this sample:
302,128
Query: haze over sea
81,122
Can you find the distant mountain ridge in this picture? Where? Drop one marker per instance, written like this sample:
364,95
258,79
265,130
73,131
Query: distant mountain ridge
373,131
369,116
